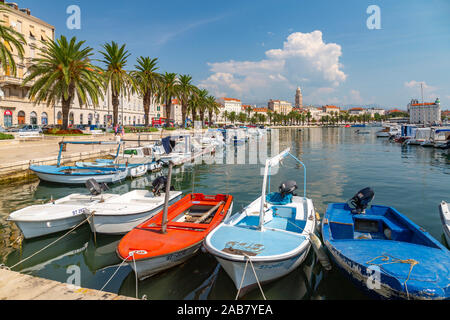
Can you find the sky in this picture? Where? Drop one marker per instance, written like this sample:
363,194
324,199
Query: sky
261,50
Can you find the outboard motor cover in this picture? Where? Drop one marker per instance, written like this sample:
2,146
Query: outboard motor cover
288,187
362,200
95,188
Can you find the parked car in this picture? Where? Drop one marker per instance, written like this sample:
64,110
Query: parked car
2,129
31,128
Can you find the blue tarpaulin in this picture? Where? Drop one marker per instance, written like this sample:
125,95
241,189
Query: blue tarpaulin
277,199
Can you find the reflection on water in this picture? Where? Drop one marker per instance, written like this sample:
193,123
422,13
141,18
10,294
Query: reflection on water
339,163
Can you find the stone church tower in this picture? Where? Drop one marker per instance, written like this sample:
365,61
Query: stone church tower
299,98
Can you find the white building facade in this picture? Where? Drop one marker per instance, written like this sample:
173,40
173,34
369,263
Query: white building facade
425,113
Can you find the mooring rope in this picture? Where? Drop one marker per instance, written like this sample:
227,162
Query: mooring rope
49,245
412,263
131,254
256,277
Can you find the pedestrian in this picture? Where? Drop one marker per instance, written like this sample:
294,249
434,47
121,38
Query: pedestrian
115,130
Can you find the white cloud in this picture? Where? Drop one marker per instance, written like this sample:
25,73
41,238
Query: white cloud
416,84
305,57
429,92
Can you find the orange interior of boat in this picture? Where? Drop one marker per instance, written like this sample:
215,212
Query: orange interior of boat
189,221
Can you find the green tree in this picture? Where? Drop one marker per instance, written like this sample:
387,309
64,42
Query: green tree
167,91
62,72
115,76
184,92
147,80
10,41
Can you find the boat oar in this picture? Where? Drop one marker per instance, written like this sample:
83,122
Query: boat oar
206,215
320,251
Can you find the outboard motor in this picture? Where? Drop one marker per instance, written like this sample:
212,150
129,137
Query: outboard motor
288,187
96,188
362,200
160,185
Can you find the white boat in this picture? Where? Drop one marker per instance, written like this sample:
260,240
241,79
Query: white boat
60,215
422,134
441,137
269,238
120,215
388,131
445,219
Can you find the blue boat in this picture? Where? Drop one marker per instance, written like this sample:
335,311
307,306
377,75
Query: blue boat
358,126
384,253
269,238
77,175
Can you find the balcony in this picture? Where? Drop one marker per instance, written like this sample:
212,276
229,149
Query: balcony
10,80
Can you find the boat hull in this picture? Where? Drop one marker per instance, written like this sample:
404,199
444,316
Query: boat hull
80,179
34,229
445,219
122,224
267,271
146,268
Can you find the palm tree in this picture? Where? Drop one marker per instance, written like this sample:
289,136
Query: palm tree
184,90
202,100
308,117
146,79
115,76
193,106
213,107
167,91
62,72
232,117
10,39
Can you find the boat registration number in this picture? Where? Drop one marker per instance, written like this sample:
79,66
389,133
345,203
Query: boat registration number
245,246
78,212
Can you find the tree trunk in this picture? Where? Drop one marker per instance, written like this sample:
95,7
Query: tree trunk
183,113
65,114
147,108
115,103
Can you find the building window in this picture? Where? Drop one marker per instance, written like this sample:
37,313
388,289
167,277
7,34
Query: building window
7,119
21,117
71,119
59,119
44,119
81,118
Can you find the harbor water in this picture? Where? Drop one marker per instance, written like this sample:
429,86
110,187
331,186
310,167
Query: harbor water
339,163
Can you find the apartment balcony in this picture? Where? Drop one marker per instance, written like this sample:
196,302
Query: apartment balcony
10,80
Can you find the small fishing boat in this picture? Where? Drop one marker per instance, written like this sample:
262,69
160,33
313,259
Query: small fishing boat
269,238
175,234
445,219
55,216
388,131
121,214
383,252
77,175
441,138
421,135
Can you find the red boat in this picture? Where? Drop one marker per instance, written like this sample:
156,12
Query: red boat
153,247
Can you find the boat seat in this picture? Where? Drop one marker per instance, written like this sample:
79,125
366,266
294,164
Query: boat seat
398,233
